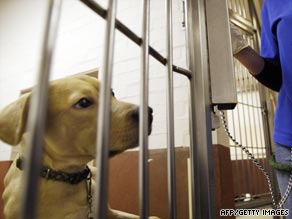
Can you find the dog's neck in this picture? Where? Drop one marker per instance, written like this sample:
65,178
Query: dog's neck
69,164
51,174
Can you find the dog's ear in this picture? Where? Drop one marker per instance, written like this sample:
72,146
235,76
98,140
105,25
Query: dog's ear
13,120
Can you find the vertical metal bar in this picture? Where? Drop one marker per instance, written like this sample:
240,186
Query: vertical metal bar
260,120
233,6
143,115
258,130
249,127
38,112
262,141
186,14
245,122
104,113
229,4
253,92
235,147
241,152
170,114
239,122
239,9
192,206
243,133
243,11
247,6
202,175
255,144
243,77
236,2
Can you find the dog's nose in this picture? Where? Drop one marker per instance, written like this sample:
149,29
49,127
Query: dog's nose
135,115
150,110
150,115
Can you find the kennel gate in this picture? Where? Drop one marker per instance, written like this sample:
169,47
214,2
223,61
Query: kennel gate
202,177
252,126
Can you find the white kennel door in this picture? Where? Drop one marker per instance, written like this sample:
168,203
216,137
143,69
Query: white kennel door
248,121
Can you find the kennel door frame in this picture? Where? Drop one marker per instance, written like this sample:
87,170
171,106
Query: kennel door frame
202,173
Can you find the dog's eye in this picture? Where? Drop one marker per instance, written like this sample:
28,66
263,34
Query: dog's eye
113,93
83,103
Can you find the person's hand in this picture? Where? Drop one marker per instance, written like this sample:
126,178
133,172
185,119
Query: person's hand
238,42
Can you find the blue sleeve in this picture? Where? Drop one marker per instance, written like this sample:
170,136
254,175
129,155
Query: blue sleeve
269,45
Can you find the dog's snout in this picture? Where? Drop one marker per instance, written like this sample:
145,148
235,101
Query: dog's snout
135,114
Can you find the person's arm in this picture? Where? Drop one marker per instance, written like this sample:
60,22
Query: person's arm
265,71
251,60
262,69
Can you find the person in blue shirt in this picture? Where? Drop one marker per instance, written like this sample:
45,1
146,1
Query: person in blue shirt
273,68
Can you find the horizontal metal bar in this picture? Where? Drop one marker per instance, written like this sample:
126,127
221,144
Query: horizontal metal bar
97,8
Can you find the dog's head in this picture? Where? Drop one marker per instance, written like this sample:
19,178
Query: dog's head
71,125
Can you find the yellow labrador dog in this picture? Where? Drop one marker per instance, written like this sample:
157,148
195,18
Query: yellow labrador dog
69,144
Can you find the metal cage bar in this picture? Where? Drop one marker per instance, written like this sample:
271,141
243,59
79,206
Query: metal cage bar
104,115
37,113
202,175
143,115
170,114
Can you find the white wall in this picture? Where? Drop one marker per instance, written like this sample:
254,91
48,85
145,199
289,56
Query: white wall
79,48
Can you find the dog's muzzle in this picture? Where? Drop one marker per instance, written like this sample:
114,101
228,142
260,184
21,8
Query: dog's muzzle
135,116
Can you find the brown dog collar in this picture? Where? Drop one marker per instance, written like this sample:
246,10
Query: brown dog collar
50,174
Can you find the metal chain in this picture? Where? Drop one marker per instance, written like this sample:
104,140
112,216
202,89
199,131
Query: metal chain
260,167
288,190
89,196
